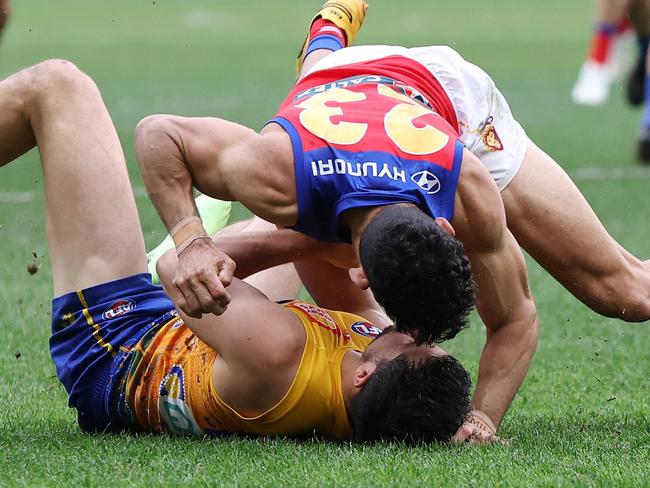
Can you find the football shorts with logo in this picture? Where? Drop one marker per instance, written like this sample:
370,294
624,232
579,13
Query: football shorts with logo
129,362
92,329
484,119
370,133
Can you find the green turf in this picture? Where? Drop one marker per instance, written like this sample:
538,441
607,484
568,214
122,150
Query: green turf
581,418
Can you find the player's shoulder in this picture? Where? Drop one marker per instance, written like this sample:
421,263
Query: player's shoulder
479,210
272,142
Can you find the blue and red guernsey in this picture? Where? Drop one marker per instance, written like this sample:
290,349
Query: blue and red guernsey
373,133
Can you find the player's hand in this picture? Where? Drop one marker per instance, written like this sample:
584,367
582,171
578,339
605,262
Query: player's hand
477,429
201,278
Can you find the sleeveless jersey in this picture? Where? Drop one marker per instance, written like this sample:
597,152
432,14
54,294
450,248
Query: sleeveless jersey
372,133
167,384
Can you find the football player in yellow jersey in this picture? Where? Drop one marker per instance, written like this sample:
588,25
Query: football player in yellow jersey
126,358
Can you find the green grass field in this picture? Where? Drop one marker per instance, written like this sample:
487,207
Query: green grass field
582,416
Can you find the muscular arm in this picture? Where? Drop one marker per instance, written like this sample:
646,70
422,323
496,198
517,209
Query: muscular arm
508,312
505,302
262,249
223,160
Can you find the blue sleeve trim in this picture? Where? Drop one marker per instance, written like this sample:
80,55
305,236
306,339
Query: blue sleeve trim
324,41
302,181
453,178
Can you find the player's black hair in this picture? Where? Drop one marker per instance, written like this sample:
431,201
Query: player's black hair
418,273
412,403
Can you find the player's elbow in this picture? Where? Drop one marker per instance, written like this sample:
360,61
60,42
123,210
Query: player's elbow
156,139
152,131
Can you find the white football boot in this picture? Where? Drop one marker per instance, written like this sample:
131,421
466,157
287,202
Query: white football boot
592,85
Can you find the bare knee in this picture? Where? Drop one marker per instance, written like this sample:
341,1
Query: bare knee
62,75
157,123
55,78
624,295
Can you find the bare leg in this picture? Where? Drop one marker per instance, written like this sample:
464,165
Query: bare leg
611,11
311,59
639,14
561,231
92,222
606,56
347,15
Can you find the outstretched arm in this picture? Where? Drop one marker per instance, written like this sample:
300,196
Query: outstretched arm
505,302
263,249
223,160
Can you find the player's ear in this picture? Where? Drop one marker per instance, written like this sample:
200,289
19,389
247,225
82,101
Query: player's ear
359,278
446,226
363,373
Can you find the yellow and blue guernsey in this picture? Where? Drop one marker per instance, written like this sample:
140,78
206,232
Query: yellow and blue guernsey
153,374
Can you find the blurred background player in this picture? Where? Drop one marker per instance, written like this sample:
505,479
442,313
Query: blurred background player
618,21
5,7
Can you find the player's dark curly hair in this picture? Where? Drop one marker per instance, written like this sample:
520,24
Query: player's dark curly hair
412,403
418,273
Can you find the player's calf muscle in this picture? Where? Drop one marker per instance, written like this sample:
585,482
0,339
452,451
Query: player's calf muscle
624,294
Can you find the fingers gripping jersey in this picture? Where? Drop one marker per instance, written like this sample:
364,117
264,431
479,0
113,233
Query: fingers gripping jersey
367,134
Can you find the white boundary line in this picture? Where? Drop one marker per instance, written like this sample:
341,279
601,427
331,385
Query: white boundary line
581,174
597,174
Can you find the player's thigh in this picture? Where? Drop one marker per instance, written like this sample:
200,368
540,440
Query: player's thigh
92,222
552,220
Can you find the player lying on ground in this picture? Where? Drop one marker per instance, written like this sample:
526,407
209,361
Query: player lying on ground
126,358
359,131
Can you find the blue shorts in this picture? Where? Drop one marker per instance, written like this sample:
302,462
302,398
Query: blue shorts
91,330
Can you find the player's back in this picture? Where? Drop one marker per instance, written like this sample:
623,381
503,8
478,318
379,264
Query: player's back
371,133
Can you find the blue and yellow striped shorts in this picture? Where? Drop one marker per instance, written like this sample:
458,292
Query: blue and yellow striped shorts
89,328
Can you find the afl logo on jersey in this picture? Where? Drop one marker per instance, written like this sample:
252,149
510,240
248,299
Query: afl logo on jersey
427,181
118,309
365,329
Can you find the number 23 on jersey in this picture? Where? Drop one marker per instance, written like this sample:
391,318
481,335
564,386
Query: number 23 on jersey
335,117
